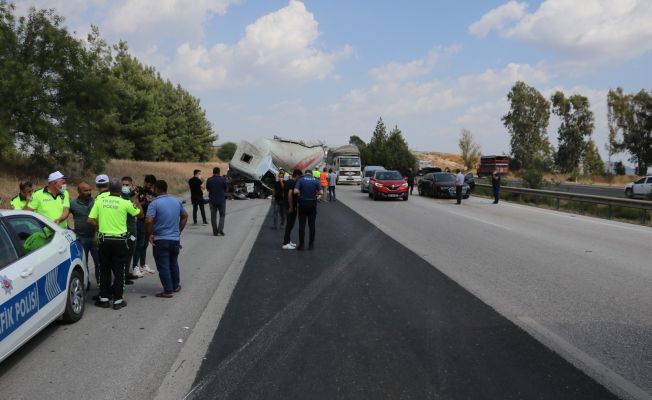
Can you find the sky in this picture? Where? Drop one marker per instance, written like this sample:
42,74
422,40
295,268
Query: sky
328,69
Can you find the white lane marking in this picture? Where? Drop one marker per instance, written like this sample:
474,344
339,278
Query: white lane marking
592,367
178,381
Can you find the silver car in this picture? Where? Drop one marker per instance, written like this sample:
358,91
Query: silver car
367,173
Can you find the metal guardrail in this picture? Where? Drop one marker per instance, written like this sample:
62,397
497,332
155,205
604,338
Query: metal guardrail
642,205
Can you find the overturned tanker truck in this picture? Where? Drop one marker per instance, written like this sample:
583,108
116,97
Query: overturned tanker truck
254,166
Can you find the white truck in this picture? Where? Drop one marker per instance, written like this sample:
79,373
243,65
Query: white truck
345,161
254,166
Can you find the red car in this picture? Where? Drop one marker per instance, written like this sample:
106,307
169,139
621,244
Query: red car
388,185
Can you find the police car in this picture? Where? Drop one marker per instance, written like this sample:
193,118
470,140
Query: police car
43,276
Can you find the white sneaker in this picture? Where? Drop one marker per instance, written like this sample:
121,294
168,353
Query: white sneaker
137,272
293,244
289,246
147,270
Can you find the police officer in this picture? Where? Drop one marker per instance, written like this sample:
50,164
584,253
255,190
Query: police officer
25,196
309,191
109,214
53,201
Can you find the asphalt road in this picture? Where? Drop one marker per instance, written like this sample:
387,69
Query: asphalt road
127,354
578,284
364,317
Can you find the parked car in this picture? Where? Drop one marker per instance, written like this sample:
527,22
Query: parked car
367,173
43,276
428,170
441,184
388,185
640,188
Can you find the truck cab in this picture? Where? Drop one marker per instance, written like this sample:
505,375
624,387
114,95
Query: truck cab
346,163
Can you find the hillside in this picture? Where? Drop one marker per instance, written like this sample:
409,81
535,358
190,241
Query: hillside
442,160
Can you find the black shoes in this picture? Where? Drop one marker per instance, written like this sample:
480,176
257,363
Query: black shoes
103,304
117,306
220,233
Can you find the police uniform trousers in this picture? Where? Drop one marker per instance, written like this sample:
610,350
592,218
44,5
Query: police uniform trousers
114,254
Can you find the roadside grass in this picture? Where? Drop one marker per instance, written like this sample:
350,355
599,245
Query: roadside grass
618,213
176,174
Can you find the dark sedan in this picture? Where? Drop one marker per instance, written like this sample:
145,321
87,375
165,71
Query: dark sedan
440,184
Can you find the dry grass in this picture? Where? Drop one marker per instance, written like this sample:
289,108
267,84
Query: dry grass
175,173
441,160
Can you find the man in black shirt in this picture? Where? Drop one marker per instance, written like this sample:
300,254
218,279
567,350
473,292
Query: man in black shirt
197,197
279,205
145,196
291,204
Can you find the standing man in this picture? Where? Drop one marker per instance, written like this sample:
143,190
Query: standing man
309,191
410,180
164,222
216,186
292,209
279,203
128,192
323,181
332,181
24,196
197,196
145,197
459,184
80,208
53,201
495,183
109,215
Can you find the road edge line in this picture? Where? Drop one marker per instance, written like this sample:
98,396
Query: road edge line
178,381
584,362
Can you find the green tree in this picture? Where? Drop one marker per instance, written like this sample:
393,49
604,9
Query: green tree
398,156
377,147
576,123
226,151
470,149
632,115
593,164
362,146
527,122
619,168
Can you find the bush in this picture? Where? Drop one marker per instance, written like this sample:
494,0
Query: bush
533,178
226,151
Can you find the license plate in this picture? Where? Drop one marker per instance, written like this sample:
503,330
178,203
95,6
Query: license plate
349,179
392,195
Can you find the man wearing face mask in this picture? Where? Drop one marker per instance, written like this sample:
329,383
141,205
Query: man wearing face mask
53,201
128,193
80,208
25,196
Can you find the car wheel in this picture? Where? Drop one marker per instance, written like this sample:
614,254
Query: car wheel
76,296
466,197
405,198
375,197
629,193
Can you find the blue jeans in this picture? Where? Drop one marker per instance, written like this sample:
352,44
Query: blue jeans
166,255
496,194
141,244
89,247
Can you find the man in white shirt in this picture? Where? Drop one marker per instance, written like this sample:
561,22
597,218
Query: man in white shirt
459,183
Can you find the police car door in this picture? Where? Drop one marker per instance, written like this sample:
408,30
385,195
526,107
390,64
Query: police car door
46,260
17,297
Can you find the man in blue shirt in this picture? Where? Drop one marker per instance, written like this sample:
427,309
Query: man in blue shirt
309,190
164,222
216,187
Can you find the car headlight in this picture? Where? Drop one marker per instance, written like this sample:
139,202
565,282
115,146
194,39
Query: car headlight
404,185
376,184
